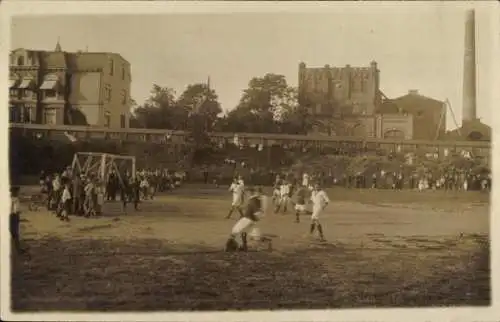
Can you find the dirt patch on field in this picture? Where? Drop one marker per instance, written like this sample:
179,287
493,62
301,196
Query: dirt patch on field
153,275
167,256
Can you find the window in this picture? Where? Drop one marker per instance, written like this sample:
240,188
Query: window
107,93
13,92
28,94
50,93
123,73
107,119
111,67
122,121
13,114
124,97
27,114
50,116
20,61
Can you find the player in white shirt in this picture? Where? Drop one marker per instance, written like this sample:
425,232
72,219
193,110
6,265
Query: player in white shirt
284,197
320,200
276,192
238,190
305,180
65,206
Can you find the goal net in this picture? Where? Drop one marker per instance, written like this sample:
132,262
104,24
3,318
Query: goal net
101,165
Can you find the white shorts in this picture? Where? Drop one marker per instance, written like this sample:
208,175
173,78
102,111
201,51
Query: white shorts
301,208
284,198
236,202
276,193
315,214
242,226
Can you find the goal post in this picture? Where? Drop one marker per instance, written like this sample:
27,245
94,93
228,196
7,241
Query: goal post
101,165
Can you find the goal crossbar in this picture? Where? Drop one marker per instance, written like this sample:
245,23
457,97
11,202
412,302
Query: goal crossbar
102,164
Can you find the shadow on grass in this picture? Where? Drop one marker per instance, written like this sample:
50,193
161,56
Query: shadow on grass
148,274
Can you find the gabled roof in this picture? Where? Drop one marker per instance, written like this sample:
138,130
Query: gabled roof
417,97
56,60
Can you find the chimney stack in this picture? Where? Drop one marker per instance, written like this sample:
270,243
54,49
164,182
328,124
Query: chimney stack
469,80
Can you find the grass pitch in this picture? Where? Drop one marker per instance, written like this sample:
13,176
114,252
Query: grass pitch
384,249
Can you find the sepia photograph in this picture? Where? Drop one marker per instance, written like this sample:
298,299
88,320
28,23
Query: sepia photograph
204,158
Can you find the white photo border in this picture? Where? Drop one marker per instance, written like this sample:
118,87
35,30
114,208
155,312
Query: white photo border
9,9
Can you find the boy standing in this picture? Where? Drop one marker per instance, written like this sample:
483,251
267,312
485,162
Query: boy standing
15,219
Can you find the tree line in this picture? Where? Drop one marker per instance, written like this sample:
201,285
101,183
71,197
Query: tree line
268,105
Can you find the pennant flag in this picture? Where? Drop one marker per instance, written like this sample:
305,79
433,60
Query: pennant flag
70,137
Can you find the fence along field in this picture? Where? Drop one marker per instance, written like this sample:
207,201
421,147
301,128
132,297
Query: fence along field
384,249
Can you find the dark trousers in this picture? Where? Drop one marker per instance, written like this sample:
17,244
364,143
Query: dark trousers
14,222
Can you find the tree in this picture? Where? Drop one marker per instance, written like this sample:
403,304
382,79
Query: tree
160,110
201,104
267,105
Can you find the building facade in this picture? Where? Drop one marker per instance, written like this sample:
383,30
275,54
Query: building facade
335,90
347,101
428,114
62,88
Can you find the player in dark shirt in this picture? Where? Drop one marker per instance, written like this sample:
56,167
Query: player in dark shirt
251,216
301,197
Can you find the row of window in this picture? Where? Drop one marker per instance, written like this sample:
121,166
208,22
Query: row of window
23,114
31,94
20,62
356,85
108,94
112,69
107,120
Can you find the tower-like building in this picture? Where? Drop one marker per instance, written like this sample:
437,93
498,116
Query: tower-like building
346,101
472,128
58,87
339,90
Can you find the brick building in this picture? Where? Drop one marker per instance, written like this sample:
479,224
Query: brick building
347,101
428,114
57,87
332,90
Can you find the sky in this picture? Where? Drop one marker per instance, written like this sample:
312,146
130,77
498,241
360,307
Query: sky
416,47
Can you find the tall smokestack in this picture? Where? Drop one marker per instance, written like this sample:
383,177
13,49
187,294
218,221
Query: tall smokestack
469,89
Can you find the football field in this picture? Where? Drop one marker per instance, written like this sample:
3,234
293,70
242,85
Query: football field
384,249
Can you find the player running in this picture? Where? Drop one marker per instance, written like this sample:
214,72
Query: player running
238,190
300,202
253,212
319,200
